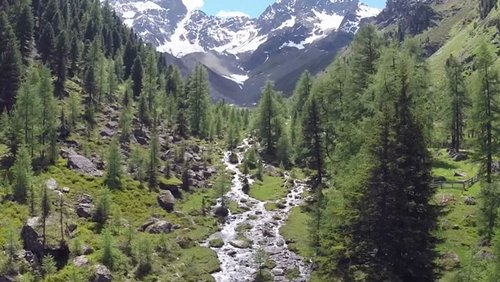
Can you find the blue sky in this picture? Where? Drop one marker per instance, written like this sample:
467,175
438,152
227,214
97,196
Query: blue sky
254,7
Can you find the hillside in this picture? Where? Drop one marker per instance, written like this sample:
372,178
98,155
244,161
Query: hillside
116,163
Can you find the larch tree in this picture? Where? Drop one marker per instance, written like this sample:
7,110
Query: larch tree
23,174
48,116
485,113
114,166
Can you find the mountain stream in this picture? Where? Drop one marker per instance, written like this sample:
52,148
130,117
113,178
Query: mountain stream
256,229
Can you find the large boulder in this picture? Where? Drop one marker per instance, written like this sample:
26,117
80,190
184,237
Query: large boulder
84,205
31,234
81,261
233,158
156,226
166,200
175,189
221,211
82,164
102,274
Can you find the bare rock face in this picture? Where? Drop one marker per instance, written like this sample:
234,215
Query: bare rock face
166,201
102,274
32,237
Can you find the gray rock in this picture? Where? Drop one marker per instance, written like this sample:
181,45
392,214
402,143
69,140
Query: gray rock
166,200
52,184
107,132
156,226
84,206
81,261
102,274
470,201
278,272
240,244
65,190
87,250
82,164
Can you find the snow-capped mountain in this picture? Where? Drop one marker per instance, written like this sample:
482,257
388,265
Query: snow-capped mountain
244,50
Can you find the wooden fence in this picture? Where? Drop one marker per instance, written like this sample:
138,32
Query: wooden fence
464,185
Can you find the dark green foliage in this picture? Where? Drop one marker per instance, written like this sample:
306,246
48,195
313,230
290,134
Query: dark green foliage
60,62
198,99
385,231
137,77
113,167
24,31
485,114
48,116
268,122
47,45
458,101
311,149
108,256
10,64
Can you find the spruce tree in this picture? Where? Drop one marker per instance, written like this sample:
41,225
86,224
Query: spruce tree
61,61
113,167
312,138
268,119
458,100
47,45
198,99
486,88
137,77
10,64
24,31
22,172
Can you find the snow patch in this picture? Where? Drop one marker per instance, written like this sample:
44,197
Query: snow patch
192,5
364,11
238,78
292,44
288,23
328,22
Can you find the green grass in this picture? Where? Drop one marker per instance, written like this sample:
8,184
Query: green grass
271,188
295,232
443,165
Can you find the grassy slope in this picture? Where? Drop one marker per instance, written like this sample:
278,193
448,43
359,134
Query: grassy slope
271,188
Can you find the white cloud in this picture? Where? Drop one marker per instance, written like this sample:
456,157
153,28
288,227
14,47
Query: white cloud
228,14
193,4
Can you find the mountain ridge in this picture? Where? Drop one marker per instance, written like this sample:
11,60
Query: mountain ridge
248,51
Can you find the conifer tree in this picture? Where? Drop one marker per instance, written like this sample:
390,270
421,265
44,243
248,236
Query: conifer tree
198,99
154,162
27,113
75,110
24,31
10,64
22,172
312,138
458,99
300,96
48,116
61,61
137,77
47,45
113,167
268,119
103,208
386,232
485,114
